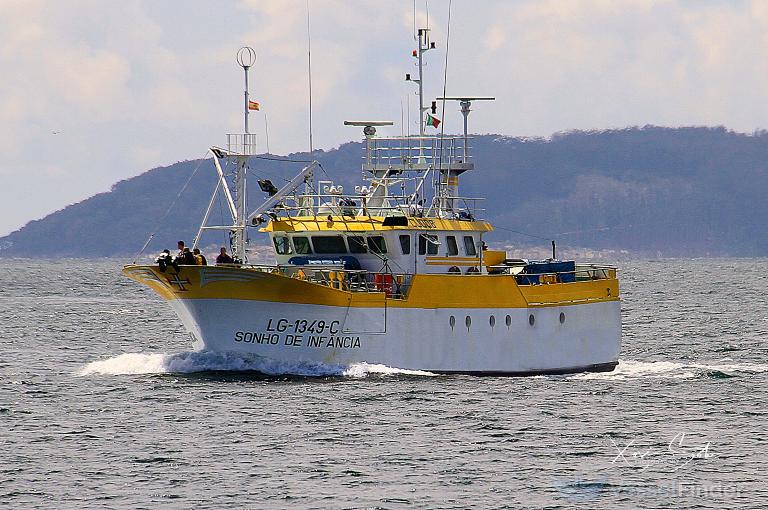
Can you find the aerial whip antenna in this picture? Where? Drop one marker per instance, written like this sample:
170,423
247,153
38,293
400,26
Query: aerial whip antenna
309,67
266,131
445,75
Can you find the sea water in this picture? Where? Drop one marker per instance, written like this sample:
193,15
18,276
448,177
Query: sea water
103,405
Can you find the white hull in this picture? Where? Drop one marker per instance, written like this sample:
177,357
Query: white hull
412,338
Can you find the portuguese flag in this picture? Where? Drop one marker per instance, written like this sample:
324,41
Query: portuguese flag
433,121
253,105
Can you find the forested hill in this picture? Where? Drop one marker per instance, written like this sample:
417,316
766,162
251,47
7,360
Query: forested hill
678,192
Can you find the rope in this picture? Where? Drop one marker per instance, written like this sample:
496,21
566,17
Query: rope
445,86
286,160
162,219
522,233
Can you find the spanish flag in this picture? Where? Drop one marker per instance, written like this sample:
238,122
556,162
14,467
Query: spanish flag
253,105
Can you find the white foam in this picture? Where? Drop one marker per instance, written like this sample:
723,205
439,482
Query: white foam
629,369
203,361
363,369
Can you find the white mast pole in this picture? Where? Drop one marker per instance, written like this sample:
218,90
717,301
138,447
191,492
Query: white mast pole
245,70
422,49
246,57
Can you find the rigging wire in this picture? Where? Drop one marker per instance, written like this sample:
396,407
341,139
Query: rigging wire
221,218
522,233
278,158
162,219
445,86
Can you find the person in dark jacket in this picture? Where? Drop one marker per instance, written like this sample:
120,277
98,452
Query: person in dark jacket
224,258
164,260
187,259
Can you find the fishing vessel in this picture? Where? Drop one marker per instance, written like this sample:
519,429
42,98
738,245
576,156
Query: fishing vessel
395,271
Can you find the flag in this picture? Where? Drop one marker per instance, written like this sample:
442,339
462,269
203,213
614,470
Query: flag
433,121
253,105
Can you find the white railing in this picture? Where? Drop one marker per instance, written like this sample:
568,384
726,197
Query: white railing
417,152
242,143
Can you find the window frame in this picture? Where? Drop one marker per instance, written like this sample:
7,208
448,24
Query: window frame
452,245
405,243
470,241
429,246
296,248
323,251
373,247
287,243
359,247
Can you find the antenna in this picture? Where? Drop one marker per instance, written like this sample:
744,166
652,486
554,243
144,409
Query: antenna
465,102
246,57
309,68
266,131
424,46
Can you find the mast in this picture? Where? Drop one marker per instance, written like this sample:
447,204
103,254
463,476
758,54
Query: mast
246,57
423,46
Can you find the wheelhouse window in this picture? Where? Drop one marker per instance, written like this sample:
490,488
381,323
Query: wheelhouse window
427,244
469,246
329,244
282,245
377,244
357,244
405,244
453,248
301,245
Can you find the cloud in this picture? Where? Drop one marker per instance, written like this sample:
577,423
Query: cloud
151,83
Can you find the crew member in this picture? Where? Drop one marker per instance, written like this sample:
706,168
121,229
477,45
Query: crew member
187,258
164,260
199,257
224,258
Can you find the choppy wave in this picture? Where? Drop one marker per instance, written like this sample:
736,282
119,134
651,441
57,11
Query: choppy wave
629,369
203,361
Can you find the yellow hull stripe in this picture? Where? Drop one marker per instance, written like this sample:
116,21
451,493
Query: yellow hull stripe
427,291
369,223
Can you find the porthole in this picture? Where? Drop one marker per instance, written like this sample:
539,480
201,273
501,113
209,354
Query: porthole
452,321
468,321
492,321
508,321
562,318
531,320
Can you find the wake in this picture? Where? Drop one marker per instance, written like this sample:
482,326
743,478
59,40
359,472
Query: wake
628,369
203,361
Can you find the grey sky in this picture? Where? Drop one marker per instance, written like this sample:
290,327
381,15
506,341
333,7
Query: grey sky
93,92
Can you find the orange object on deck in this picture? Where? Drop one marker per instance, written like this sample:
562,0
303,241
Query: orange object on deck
383,283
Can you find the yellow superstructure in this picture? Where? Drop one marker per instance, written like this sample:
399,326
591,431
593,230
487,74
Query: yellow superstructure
424,290
339,224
